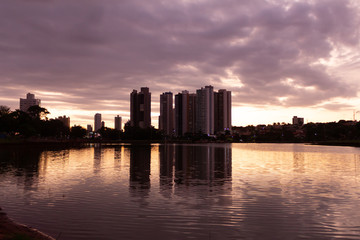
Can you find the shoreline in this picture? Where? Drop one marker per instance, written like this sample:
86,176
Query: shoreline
86,142
12,230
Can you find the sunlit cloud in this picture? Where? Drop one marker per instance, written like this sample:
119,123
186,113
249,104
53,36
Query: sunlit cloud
271,54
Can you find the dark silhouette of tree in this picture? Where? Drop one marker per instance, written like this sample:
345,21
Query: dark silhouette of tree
23,124
6,121
77,132
38,112
54,128
4,110
137,133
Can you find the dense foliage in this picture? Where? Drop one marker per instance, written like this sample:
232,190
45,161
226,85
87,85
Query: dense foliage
311,132
136,133
30,124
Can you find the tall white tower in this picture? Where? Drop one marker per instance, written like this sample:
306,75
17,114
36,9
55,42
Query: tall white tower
29,101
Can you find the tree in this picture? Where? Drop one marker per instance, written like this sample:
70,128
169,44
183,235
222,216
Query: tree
54,128
38,112
6,121
109,133
77,132
4,110
137,133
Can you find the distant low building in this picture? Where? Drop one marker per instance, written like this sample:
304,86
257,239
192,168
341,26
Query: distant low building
89,128
65,120
297,121
29,101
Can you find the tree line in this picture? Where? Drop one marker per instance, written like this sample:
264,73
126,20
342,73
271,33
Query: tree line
34,123
310,132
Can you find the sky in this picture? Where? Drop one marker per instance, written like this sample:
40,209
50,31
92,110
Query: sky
279,58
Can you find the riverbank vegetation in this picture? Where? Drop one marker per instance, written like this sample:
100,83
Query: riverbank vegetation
34,126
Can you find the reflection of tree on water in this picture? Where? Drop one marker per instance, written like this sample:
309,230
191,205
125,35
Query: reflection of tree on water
23,162
27,163
140,166
193,165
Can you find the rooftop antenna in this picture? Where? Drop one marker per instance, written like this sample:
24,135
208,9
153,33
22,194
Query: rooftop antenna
354,114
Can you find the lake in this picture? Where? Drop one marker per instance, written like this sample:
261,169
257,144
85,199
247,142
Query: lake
184,191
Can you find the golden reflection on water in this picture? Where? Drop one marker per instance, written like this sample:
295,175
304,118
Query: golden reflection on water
286,168
138,164
291,165
306,190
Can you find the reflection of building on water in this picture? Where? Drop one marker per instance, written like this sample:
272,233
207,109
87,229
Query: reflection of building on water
117,156
117,152
166,153
140,166
298,162
187,164
223,168
98,152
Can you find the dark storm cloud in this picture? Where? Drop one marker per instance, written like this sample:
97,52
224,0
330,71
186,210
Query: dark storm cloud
101,50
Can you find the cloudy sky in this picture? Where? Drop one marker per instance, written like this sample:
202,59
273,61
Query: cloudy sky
279,58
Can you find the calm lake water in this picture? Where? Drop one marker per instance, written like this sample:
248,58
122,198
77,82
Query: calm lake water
211,191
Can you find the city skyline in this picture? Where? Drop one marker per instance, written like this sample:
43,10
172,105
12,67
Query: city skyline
219,116
279,59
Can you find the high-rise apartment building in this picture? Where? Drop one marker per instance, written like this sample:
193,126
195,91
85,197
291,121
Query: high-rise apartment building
191,118
181,100
205,110
166,119
97,122
185,113
117,122
222,110
29,101
140,108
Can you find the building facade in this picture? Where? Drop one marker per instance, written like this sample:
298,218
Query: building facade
89,128
166,119
297,121
140,108
205,110
181,100
29,101
222,110
185,113
117,122
65,120
97,122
